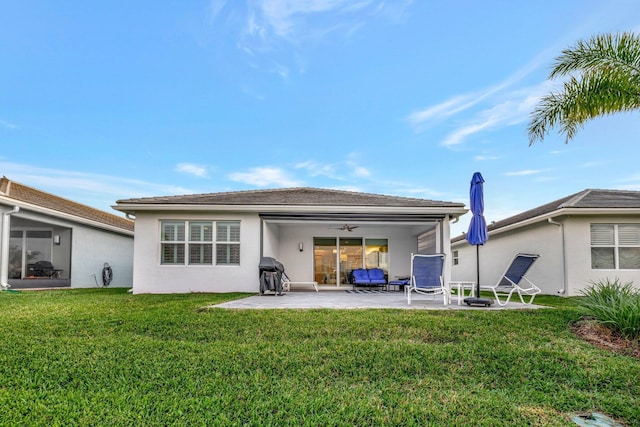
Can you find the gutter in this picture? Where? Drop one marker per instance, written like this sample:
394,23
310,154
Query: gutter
424,210
4,245
565,284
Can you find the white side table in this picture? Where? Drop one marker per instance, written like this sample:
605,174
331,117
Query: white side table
461,286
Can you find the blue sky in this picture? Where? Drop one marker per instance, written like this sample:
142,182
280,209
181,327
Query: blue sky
101,101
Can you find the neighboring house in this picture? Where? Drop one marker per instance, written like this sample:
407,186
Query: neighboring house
75,239
582,238
214,242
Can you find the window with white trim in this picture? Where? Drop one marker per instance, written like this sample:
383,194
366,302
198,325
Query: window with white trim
196,247
455,256
201,242
615,246
227,243
172,242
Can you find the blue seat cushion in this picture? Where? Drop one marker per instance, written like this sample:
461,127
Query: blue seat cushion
360,277
376,276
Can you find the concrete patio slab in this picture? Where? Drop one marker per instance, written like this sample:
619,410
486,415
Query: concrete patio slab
347,300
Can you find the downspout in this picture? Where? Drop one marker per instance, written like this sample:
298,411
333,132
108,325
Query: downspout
4,245
564,290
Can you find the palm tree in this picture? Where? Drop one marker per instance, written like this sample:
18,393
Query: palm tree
603,77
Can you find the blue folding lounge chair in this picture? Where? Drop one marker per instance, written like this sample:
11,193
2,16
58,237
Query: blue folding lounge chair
512,280
426,276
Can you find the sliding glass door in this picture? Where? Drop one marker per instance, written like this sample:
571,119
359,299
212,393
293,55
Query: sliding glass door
325,260
350,257
27,247
335,259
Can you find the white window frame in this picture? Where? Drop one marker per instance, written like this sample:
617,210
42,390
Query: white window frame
176,242
213,241
227,240
201,243
616,245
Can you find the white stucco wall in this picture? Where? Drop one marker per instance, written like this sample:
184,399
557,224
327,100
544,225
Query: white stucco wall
279,240
149,276
579,271
91,248
543,239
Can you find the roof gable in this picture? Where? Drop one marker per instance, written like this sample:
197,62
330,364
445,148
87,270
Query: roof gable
22,193
300,196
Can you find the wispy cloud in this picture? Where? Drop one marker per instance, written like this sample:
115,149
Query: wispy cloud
512,108
269,28
496,106
361,172
7,125
192,169
483,158
96,190
264,177
524,172
314,168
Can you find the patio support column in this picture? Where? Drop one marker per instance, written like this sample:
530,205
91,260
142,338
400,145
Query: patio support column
4,247
446,248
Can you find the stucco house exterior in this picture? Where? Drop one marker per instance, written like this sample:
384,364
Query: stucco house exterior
582,238
75,239
214,242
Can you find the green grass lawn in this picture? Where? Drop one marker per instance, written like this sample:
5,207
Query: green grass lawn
105,357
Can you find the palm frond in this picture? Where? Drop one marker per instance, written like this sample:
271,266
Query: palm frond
603,77
597,93
620,50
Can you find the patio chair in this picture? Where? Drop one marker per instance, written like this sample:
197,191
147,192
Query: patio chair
287,282
427,276
512,280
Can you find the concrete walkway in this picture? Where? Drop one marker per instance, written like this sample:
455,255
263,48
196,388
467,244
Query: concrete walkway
342,299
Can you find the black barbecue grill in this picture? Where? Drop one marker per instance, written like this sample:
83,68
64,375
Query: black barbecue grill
270,275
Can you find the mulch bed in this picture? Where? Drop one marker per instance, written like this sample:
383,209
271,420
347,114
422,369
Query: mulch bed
602,337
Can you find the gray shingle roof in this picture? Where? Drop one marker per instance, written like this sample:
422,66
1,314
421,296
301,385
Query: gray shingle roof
23,193
301,196
586,199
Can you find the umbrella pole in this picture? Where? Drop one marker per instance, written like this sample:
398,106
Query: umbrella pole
477,301
477,271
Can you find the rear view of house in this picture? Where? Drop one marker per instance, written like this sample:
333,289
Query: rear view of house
214,242
48,241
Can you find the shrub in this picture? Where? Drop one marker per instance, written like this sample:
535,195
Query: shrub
613,304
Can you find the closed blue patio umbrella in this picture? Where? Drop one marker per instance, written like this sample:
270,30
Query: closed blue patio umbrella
477,233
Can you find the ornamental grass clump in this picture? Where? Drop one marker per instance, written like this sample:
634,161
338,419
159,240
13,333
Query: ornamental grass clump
615,305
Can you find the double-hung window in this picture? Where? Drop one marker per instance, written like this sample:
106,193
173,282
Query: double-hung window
227,242
615,246
172,242
192,242
200,242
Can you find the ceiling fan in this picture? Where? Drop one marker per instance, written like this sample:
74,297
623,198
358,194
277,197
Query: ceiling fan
346,227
